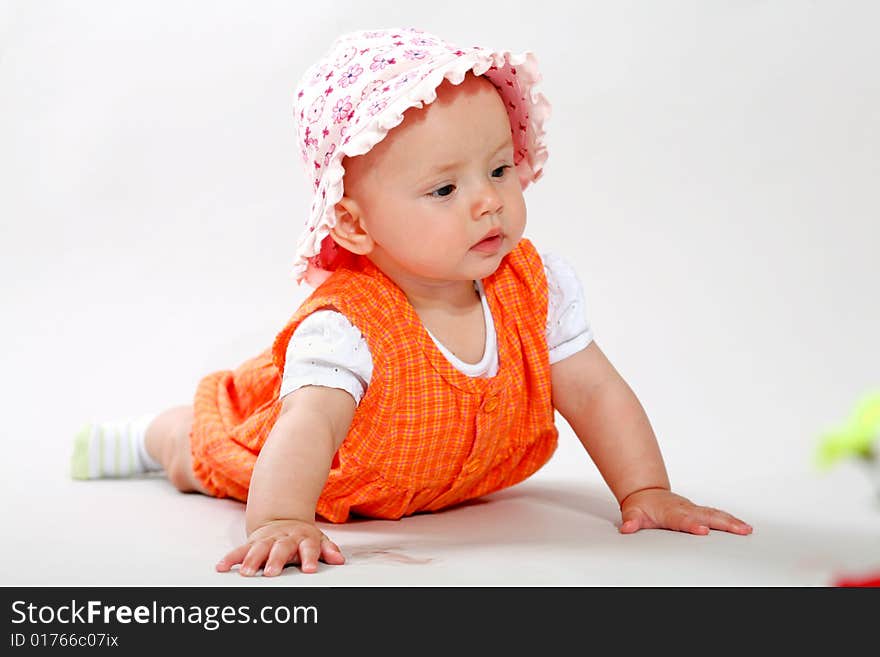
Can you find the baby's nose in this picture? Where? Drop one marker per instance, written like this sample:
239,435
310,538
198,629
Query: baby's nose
488,201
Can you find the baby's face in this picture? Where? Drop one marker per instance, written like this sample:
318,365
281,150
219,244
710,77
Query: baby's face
437,184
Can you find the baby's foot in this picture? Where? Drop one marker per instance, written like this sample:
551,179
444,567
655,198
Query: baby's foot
112,449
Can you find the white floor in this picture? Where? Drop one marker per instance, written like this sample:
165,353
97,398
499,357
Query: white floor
551,530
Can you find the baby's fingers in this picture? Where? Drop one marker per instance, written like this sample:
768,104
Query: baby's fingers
232,558
688,521
717,519
331,553
256,557
700,519
633,520
309,551
312,549
281,554
250,556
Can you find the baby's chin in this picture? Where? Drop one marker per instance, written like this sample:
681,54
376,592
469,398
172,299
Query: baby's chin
489,265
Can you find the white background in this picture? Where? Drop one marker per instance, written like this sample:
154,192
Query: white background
713,177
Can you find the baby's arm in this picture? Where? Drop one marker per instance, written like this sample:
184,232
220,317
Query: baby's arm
612,426
288,478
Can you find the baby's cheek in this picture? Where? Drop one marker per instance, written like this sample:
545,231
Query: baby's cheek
517,217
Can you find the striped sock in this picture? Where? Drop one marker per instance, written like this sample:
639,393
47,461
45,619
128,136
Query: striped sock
112,449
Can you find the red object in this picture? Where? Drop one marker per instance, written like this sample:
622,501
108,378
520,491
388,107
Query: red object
872,580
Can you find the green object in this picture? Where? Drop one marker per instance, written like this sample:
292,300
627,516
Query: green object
79,462
857,437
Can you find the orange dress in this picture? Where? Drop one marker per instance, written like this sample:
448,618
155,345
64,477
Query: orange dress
424,436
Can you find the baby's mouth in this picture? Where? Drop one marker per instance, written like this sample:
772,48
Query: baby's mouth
489,244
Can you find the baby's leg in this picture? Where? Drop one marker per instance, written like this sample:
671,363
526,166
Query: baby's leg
167,441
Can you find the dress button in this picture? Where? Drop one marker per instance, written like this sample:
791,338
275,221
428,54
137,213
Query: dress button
490,404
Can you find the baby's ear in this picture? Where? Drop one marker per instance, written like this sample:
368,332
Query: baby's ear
349,231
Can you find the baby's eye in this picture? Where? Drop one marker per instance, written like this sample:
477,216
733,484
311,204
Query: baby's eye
439,192
500,171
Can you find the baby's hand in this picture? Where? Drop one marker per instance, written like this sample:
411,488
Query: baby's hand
657,508
280,542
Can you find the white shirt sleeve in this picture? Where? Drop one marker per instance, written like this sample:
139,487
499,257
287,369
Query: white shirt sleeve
327,350
568,330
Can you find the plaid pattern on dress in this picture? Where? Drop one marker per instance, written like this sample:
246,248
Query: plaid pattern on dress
425,436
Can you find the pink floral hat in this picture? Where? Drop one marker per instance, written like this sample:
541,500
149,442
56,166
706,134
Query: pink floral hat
348,101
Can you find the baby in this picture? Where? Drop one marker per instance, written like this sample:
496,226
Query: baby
425,368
